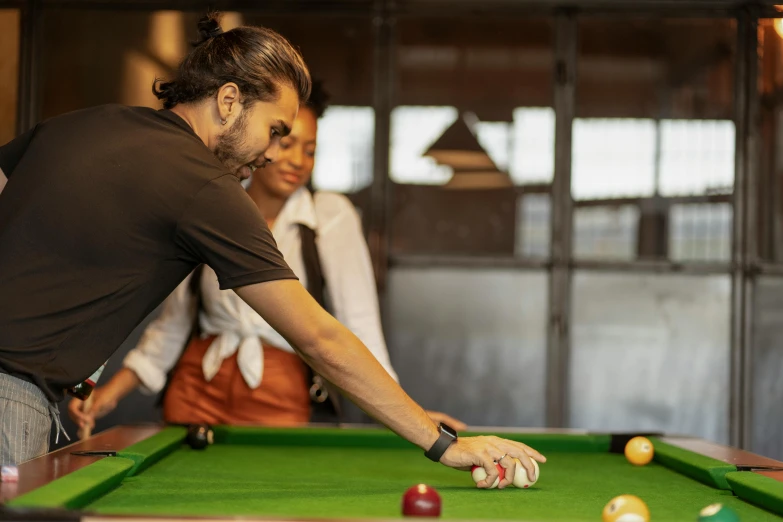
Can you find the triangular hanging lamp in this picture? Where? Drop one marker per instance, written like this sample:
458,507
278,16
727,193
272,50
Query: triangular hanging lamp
459,149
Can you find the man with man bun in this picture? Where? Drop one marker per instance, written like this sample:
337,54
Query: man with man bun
106,210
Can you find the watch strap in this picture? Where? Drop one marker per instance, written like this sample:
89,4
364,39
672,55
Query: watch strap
445,439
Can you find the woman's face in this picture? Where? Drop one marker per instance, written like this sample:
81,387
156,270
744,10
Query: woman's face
294,164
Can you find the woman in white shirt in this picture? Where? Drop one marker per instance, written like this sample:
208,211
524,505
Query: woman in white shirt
237,369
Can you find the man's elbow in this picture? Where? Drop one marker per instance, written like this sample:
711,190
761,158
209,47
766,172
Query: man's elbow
322,345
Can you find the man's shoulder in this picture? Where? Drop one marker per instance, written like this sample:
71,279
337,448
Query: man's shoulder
157,147
107,110
221,192
114,116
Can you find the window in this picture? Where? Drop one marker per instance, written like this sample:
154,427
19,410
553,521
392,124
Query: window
654,120
496,74
700,232
697,157
606,232
413,130
525,148
533,226
613,158
344,159
533,152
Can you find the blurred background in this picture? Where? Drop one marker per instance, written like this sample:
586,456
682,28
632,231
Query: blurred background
620,267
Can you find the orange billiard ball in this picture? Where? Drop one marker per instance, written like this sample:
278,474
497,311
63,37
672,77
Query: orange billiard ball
639,451
626,508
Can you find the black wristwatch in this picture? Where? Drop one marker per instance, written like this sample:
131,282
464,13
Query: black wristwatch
447,436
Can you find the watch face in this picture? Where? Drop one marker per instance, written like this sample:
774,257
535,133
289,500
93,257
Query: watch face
448,429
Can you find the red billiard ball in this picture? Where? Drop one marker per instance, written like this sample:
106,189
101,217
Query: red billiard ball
421,501
479,473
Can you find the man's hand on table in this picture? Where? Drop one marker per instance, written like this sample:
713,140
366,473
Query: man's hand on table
465,450
484,451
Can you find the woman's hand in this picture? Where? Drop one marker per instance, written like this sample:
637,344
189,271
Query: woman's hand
439,417
103,399
84,413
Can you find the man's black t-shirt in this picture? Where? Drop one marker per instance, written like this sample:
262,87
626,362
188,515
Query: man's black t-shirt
105,212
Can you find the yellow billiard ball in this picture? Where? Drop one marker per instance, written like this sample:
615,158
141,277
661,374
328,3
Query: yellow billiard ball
626,508
639,451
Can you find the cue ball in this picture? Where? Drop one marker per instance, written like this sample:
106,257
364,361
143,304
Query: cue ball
639,451
520,477
717,513
421,501
199,436
626,508
478,473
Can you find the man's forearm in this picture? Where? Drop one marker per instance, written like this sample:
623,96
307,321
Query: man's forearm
3,181
340,357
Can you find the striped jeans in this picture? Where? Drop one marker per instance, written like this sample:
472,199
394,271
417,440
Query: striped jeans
25,421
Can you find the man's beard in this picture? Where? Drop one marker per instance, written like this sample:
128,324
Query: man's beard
230,142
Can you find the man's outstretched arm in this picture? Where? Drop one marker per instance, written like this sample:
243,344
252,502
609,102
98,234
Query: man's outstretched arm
334,352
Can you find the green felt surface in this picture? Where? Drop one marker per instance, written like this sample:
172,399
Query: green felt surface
699,467
286,480
147,452
760,490
78,488
382,438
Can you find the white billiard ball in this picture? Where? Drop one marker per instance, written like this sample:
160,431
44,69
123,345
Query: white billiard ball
521,479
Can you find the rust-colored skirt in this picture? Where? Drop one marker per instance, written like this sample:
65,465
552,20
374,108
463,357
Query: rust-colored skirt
282,398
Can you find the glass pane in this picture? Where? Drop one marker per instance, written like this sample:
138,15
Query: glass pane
613,158
697,157
534,225
344,161
533,149
654,119
700,232
489,79
606,232
413,130
525,147
647,355
455,335
9,71
767,363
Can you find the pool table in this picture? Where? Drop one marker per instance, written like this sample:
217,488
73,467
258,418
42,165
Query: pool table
149,473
